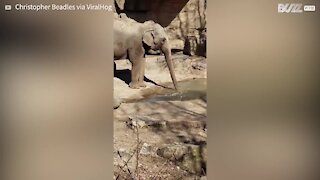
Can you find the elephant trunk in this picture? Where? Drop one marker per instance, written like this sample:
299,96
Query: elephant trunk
167,53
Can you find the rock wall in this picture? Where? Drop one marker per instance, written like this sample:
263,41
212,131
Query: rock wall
188,29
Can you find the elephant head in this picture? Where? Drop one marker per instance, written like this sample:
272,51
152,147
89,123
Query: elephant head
154,36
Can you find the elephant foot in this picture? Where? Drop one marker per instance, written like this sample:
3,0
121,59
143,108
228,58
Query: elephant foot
142,84
134,85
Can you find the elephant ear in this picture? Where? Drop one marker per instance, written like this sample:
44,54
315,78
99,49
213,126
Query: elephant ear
148,38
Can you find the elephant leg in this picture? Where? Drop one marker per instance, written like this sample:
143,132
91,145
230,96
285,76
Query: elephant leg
137,60
142,71
135,74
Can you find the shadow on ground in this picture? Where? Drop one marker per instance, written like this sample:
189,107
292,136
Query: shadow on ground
125,75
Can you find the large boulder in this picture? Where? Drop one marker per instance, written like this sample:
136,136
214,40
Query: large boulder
120,4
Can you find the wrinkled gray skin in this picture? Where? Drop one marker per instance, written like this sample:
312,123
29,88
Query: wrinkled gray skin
133,39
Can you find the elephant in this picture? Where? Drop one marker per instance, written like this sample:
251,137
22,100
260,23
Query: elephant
133,39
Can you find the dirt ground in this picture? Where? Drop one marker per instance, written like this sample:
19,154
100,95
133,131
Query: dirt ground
185,121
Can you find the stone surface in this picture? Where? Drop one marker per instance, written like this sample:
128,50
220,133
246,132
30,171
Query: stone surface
202,45
177,44
191,158
120,3
189,26
134,123
199,65
124,158
144,122
148,149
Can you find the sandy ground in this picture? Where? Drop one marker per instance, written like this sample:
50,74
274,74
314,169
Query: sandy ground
185,119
